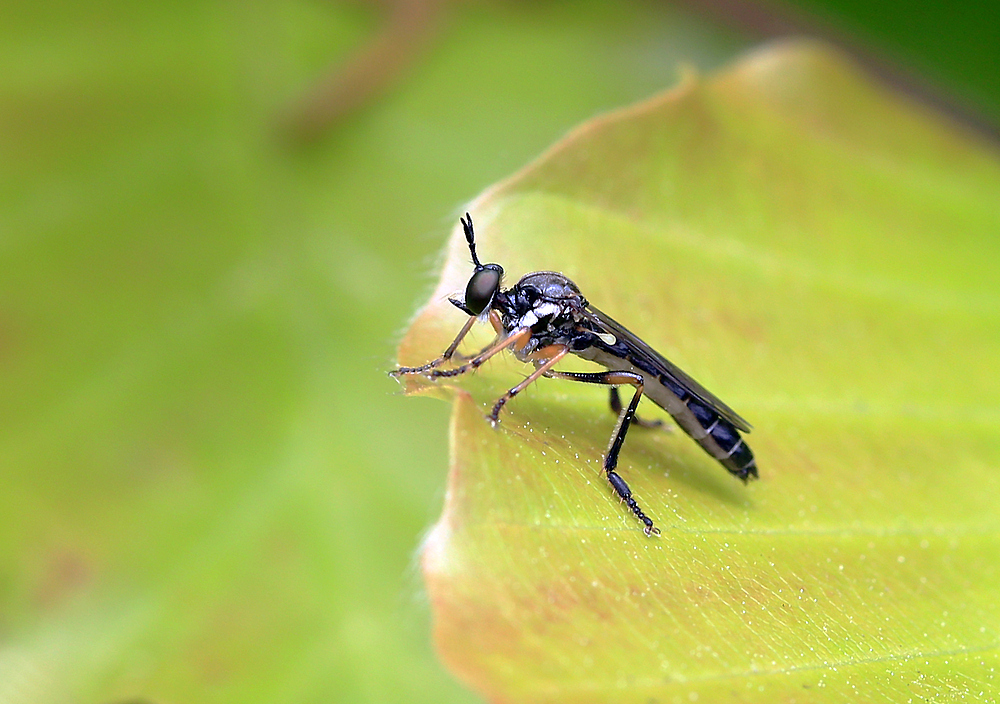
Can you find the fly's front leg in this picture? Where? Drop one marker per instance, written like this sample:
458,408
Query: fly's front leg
494,319
616,408
625,419
546,359
460,358
451,353
516,339
445,356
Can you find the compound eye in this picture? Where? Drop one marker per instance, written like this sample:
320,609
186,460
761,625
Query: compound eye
483,286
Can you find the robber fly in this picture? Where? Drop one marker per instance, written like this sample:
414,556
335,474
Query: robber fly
544,317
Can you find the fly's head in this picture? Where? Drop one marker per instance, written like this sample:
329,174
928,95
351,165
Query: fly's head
484,284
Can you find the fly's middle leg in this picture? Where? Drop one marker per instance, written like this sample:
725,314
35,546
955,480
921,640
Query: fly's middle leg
544,365
625,419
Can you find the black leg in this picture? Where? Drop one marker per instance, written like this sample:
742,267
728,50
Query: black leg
616,408
625,418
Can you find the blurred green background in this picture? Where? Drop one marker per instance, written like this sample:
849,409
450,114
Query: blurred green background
215,221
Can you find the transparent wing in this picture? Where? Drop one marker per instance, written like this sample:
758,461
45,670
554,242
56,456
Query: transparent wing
654,359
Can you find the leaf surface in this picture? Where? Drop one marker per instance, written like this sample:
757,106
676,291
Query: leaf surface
820,253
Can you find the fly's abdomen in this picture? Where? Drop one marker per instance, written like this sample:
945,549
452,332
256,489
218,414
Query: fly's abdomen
722,441
717,436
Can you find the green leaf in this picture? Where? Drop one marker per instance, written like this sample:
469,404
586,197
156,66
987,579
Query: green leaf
822,254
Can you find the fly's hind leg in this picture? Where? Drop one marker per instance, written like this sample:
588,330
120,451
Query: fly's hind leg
626,416
616,408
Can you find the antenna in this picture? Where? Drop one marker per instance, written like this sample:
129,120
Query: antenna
470,237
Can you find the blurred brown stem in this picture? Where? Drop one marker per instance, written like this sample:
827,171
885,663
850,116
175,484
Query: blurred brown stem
349,86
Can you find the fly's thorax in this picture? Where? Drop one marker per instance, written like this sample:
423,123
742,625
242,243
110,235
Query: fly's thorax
540,301
542,295
547,304
538,317
550,285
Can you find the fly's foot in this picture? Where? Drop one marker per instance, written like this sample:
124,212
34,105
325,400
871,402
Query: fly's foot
425,369
625,494
649,529
403,371
494,416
